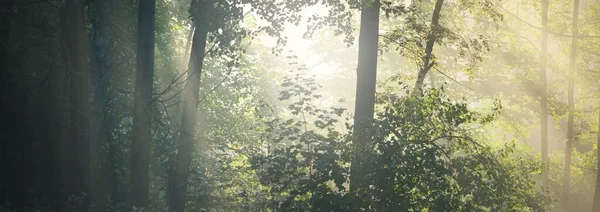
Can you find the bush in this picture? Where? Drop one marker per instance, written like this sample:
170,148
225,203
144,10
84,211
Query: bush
420,158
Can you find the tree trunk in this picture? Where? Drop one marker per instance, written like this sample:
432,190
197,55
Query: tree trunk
544,91
142,119
570,124
365,87
105,178
596,205
427,58
64,160
78,146
187,134
6,18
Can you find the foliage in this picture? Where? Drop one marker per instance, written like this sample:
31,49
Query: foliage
303,163
428,153
463,36
420,159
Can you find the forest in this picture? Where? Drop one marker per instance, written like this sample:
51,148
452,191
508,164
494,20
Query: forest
299,105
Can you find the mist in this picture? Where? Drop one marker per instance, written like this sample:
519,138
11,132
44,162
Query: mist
293,105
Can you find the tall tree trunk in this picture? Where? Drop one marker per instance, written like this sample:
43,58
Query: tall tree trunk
365,87
187,134
78,146
105,179
570,124
596,205
142,119
6,19
427,58
64,160
544,91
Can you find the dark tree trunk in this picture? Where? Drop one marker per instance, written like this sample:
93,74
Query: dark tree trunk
105,178
9,107
544,91
596,204
142,119
178,184
64,122
6,18
365,87
77,149
570,122
427,58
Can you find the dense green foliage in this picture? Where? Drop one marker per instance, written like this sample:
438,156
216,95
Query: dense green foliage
421,159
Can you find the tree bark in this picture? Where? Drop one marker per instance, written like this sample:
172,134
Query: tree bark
543,96
142,119
596,204
427,59
78,147
570,124
365,87
105,178
5,28
187,134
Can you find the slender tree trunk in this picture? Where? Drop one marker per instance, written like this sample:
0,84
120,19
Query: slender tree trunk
64,91
11,191
105,178
78,148
61,128
187,133
427,59
6,18
570,124
142,119
596,205
543,95
365,87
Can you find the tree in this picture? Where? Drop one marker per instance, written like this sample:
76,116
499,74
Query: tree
431,38
543,95
365,85
571,110
142,119
105,179
220,21
5,28
78,147
596,201
187,134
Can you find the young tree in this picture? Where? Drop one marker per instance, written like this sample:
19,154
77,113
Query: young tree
431,38
596,201
142,119
571,117
365,86
544,91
